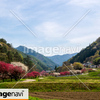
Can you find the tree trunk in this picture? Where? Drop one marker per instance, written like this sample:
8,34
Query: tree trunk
3,79
11,79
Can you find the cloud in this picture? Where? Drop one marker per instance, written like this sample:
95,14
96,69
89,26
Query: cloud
84,39
50,30
84,3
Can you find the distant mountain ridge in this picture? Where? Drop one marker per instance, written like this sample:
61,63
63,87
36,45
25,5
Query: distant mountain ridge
46,61
59,59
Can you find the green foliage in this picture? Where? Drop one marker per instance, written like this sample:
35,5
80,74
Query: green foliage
3,57
94,74
77,66
64,68
34,98
7,53
3,40
53,87
18,57
3,49
55,68
96,61
10,56
87,54
9,45
27,61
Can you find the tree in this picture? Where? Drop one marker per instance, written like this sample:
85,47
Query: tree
10,56
3,49
15,72
28,62
96,61
9,45
3,57
55,68
65,73
4,68
18,57
3,40
33,74
8,70
77,66
43,73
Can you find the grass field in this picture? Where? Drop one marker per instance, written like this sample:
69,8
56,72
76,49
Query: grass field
51,84
35,98
92,77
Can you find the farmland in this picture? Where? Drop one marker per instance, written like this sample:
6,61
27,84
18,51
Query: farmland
60,88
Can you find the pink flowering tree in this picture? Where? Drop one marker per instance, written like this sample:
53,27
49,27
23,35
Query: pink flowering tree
65,73
15,72
33,74
8,70
84,70
43,73
4,68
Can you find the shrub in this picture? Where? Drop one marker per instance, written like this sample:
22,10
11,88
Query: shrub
43,73
33,74
77,66
83,70
65,73
91,70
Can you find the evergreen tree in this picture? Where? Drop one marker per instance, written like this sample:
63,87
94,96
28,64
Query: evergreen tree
28,62
55,68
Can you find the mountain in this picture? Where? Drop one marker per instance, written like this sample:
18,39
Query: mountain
39,66
46,61
59,59
88,54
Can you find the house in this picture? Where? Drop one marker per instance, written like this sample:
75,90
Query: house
56,74
87,64
93,66
48,71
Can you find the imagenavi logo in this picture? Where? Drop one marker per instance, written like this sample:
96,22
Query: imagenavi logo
13,94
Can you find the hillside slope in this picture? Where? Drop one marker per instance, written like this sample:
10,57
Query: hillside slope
40,65
59,59
8,54
42,58
87,54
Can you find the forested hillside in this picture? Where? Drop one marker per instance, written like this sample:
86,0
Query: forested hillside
39,66
7,53
88,54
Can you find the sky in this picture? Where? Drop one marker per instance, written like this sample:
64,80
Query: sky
44,25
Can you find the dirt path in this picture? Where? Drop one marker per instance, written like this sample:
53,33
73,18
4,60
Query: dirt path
29,80
67,95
